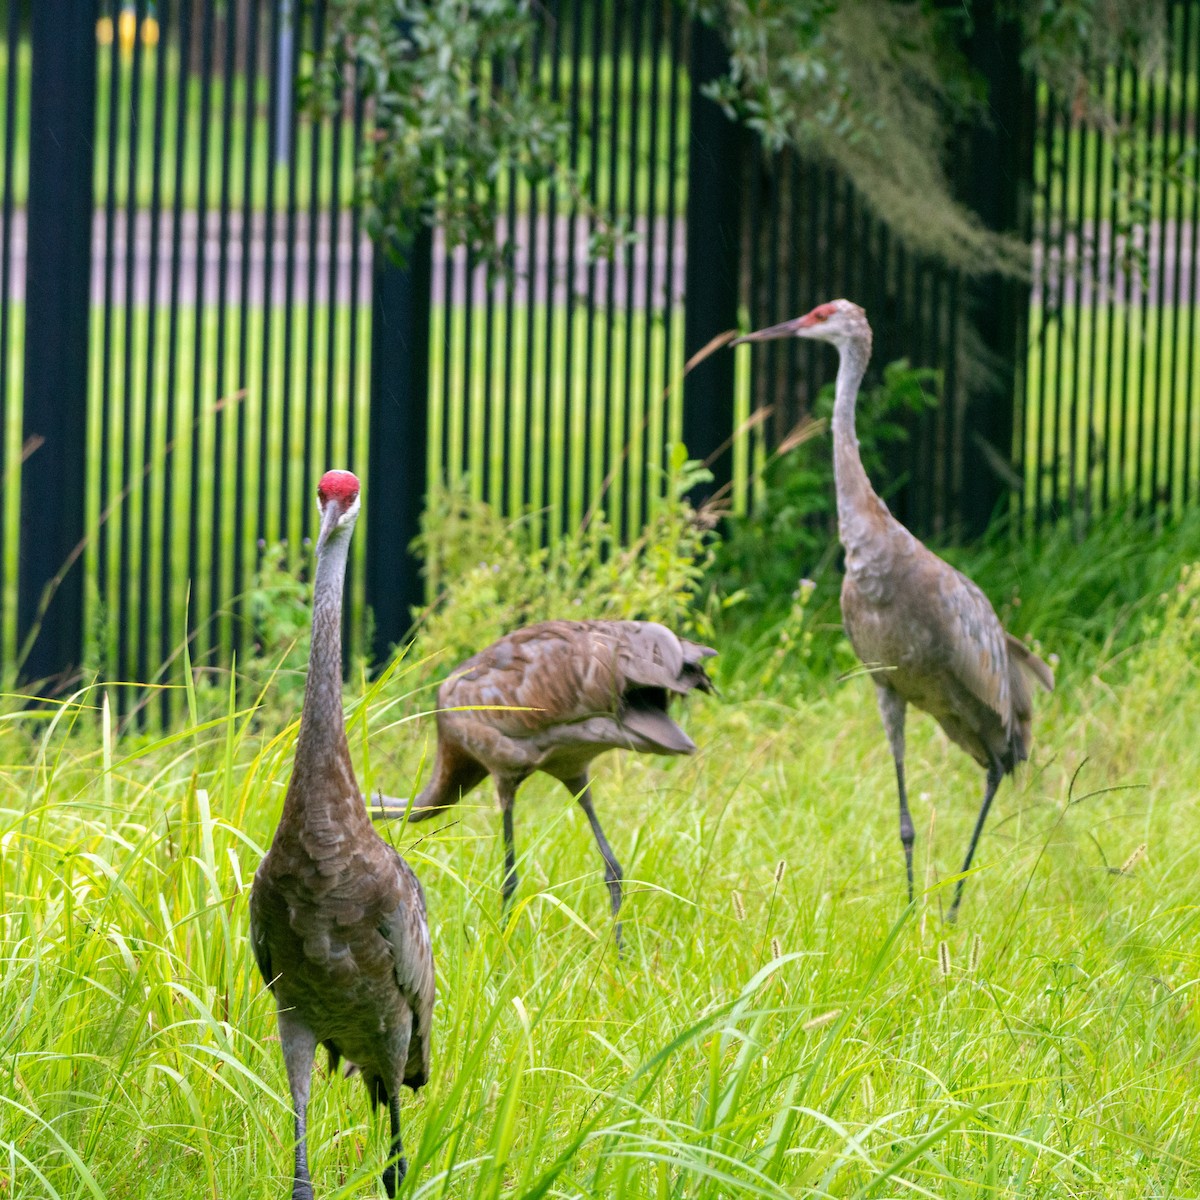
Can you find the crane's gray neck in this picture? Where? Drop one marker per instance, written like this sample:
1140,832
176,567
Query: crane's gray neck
854,492
322,724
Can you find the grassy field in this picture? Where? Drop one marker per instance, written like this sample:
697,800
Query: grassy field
779,1026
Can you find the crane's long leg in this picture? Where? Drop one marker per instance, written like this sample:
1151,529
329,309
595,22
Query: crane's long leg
506,791
299,1045
892,708
994,775
397,1168
581,789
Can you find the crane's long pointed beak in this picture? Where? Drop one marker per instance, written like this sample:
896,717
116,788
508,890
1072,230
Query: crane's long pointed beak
771,332
329,519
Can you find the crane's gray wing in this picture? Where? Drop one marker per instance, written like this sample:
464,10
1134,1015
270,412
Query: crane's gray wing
974,641
530,680
406,931
567,673
258,941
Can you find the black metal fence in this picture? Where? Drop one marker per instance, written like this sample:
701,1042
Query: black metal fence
201,327
1111,412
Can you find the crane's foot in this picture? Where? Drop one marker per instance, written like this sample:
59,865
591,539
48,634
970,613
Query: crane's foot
393,1175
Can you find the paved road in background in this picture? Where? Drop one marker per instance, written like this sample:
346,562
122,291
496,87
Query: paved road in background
311,272
315,274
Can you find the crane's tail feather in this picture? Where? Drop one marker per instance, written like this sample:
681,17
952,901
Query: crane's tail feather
1030,662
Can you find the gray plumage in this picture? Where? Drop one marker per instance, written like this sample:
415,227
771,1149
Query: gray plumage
929,634
337,917
551,697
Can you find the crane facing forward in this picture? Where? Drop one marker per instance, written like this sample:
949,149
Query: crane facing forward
337,917
551,697
927,631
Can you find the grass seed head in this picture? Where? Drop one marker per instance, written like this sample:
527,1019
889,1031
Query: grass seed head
1133,860
739,909
780,871
976,953
944,958
776,949
824,1019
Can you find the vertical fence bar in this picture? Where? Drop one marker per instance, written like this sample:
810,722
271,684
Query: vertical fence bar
713,229
242,382
1079,310
219,537
573,417
591,478
196,600
399,427
1095,439
555,452
1061,175
999,166
167,569
315,124
675,110
1159,140
286,71
130,487
151,417
1177,437
611,443
103,533
268,276
651,392
632,410
13,47
1191,482
62,134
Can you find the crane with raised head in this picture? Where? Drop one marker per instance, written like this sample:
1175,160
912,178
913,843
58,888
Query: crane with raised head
551,697
337,917
928,634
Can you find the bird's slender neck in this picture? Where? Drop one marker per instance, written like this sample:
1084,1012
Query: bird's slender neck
322,738
854,491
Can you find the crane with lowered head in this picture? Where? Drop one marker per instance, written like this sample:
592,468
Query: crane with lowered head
551,697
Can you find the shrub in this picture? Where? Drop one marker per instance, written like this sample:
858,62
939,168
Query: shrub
491,574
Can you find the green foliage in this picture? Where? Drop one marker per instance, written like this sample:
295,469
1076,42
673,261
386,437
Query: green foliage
455,108
492,575
872,87
791,531
279,607
1069,43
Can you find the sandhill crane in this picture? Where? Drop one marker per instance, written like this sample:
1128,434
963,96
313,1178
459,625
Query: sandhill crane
551,697
929,634
337,917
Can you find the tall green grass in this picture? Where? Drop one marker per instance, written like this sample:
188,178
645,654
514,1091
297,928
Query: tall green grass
773,1030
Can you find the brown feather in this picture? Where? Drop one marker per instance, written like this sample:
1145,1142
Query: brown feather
551,697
